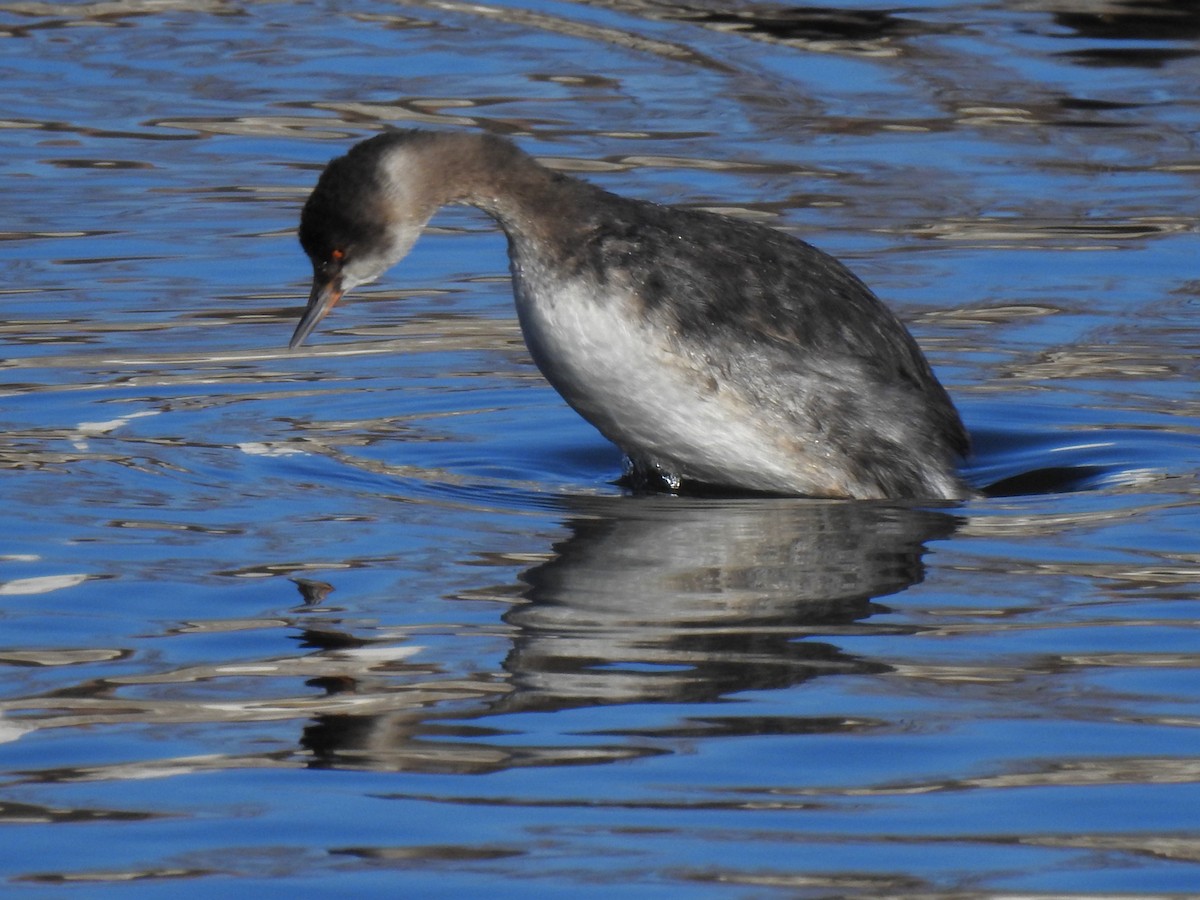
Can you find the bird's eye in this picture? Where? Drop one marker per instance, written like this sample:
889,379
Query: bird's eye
337,255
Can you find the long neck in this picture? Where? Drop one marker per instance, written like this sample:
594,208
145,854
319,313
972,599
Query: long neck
531,203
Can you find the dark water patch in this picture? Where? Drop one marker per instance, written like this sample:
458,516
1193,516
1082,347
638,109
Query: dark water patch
1145,57
1157,20
1014,464
807,24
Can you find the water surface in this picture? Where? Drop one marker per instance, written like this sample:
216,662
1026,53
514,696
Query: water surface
373,619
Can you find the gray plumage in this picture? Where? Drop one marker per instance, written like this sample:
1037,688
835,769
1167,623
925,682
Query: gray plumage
710,350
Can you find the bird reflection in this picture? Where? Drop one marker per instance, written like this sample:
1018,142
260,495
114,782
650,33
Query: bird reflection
671,599
661,599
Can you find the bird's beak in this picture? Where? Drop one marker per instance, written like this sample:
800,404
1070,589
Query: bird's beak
324,295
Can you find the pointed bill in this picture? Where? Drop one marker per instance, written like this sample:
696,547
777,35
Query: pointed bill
322,299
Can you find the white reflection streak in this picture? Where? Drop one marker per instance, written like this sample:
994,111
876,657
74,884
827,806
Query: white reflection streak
42,584
249,356
94,429
258,448
1090,445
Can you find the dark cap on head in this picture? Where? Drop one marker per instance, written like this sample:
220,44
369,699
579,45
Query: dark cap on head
344,211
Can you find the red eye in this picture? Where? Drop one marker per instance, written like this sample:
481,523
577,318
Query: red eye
337,255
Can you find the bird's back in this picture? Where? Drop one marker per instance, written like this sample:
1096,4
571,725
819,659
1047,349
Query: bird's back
744,322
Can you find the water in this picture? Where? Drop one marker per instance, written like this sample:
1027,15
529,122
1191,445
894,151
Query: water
372,619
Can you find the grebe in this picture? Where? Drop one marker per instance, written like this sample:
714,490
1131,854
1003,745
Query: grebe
712,351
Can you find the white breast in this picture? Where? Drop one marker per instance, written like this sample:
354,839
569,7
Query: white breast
631,378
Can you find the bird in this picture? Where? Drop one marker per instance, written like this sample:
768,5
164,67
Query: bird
715,352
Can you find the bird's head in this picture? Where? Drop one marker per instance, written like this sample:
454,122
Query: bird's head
362,218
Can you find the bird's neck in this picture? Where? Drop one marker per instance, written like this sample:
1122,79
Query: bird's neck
531,203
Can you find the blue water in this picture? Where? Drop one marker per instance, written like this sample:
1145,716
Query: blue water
373,619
